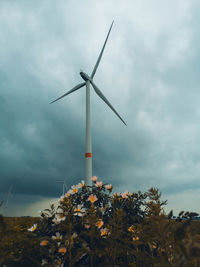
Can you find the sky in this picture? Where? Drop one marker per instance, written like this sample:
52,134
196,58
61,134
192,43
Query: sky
149,72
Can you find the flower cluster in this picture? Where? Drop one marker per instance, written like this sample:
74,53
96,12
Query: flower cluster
89,214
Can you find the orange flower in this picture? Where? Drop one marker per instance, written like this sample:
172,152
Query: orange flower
131,228
99,223
92,198
135,238
75,190
62,250
44,243
104,231
61,216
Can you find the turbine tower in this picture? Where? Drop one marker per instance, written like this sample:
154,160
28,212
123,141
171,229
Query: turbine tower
87,81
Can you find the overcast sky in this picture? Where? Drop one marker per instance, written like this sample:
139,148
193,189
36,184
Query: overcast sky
149,72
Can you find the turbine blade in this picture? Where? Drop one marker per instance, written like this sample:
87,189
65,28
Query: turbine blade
72,90
99,93
99,58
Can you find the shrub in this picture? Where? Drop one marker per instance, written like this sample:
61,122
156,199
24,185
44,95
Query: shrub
91,227
94,228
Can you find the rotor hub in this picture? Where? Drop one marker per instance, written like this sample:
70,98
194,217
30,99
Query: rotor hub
85,76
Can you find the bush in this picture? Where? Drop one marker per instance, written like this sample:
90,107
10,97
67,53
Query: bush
91,227
94,228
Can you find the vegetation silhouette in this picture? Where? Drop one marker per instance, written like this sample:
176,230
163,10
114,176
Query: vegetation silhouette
91,227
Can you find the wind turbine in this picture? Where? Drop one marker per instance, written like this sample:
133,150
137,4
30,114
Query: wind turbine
87,81
64,185
8,195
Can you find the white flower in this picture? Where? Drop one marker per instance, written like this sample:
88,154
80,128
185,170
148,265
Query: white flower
79,210
44,261
57,236
33,228
74,235
74,189
80,185
124,195
62,198
59,217
56,221
98,184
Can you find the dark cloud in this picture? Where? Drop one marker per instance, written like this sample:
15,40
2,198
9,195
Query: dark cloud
149,73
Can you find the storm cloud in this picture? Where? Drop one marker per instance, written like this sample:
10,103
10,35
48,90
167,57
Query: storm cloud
149,72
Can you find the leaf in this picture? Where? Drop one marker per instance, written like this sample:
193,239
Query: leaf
193,214
181,213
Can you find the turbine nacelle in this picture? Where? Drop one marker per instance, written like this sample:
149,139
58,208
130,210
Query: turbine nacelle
85,76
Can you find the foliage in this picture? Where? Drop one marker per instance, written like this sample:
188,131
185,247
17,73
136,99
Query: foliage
91,227
15,248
